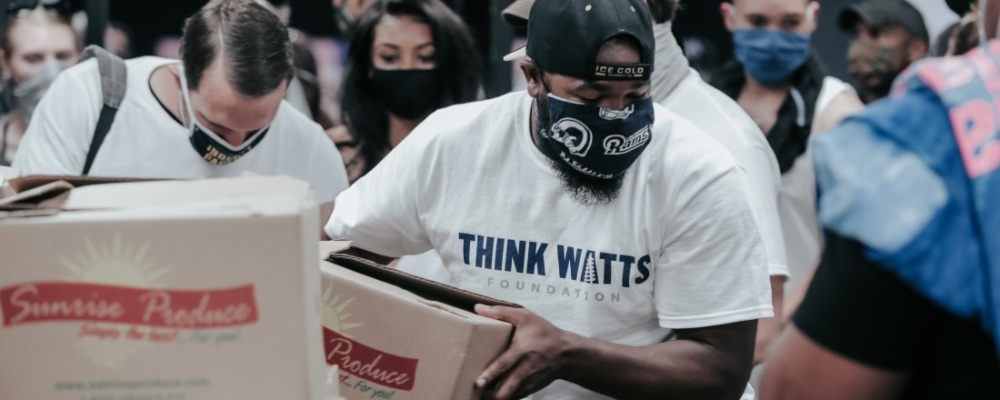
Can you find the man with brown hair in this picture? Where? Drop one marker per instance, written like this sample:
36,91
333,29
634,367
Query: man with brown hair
218,112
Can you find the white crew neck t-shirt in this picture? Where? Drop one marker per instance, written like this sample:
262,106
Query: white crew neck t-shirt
677,249
797,201
147,142
723,119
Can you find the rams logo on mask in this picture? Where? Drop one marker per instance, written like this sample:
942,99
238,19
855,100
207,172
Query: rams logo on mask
574,135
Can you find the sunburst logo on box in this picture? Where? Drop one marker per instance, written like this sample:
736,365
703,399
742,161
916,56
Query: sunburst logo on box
114,263
118,294
335,316
353,357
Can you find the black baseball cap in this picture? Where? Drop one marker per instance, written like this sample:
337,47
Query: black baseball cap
884,14
564,37
960,7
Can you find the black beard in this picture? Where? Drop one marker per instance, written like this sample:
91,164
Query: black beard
880,90
584,189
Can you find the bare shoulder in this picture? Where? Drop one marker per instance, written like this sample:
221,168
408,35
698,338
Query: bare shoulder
842,106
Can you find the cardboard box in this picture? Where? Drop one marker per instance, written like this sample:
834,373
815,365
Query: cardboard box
397,336
6,174
162,290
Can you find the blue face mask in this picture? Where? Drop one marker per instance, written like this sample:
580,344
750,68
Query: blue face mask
596,141
770,56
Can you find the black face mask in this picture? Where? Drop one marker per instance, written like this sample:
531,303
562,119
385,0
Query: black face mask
407,93
210,146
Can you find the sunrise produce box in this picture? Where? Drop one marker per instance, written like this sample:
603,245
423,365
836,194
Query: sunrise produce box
160,290
397,336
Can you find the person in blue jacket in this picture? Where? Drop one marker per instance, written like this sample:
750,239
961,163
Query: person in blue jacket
906,302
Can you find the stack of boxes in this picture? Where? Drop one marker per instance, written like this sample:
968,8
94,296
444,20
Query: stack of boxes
214,290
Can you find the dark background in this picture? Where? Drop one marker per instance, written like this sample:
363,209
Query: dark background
150,20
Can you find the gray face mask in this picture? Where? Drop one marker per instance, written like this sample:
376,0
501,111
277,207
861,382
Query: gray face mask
27,94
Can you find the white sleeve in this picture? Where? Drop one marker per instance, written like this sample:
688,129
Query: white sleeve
58,136
380,211
764,180
327,174
713,269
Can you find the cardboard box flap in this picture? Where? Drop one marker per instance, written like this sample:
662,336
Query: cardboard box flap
258,207
30,182
327,247
51,195
425,288
155,193
6,174
12,213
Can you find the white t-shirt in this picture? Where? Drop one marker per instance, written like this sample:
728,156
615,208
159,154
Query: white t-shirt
678,248
147,142
722,119
797,201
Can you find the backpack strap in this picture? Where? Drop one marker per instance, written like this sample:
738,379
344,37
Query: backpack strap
114,80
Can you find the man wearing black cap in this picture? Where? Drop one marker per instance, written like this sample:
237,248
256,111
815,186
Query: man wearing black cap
610,219
679,88
887,35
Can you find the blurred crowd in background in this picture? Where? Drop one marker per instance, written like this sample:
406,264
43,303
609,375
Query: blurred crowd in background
471,33
368,72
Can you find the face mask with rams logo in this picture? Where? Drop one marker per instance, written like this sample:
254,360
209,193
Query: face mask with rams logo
211,147
565,38
596,141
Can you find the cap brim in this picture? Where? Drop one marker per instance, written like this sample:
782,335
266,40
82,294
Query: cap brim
516,13
518,54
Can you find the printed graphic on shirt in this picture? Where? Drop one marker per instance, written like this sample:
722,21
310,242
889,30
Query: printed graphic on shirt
607,272
969,87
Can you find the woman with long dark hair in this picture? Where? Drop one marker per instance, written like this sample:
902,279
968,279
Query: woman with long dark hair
406,59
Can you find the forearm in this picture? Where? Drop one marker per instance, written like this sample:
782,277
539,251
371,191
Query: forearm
686,368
